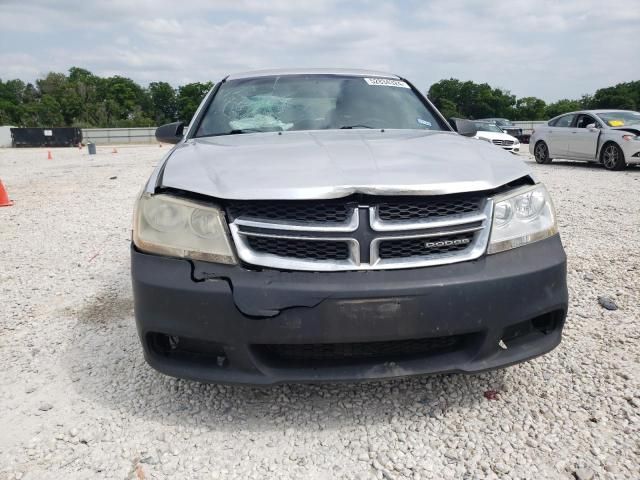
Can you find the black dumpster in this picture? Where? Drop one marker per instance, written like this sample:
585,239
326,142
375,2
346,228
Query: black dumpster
46,137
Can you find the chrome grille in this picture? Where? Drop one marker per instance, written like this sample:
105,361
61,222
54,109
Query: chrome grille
304,249
374,233
418,247
329,212
503,143
425,208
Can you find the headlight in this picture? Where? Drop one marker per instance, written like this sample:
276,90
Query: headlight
176,227
520,217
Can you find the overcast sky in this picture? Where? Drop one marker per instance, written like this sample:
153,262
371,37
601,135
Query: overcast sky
551,50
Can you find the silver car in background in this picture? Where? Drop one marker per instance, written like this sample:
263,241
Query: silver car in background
610,137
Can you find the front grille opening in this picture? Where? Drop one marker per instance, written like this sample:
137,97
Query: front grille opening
416,208
329,212
301,249
265,244
335,354
426,246
185,349
541,325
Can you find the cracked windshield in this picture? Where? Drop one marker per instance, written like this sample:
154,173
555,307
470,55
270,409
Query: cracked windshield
314,102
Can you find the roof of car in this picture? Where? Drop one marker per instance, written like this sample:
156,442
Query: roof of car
596,111
602,110
311,71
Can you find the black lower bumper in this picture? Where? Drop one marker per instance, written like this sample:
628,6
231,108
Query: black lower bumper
232,325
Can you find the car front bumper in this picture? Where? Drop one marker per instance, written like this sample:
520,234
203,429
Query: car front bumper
228,324
631,151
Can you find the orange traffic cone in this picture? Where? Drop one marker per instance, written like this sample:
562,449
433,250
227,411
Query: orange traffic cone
4,197
114,150
49,156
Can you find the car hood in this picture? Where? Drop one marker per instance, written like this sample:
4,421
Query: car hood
333,164
634,128
496,136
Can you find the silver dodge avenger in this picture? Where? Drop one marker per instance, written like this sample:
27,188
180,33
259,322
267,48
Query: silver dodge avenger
332,225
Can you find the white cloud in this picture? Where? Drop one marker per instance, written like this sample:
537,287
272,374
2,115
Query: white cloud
548,49
18,65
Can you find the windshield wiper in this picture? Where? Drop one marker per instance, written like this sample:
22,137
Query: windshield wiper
237,131
349,127
232,132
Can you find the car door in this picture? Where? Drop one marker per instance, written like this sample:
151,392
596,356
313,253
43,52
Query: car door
583,141
558,137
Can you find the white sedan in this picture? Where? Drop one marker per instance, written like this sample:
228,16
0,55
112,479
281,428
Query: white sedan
491,133
609,137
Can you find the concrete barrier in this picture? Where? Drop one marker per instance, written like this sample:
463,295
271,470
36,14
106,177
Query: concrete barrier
108,136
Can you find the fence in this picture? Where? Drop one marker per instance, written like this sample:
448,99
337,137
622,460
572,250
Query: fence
110,136
102,136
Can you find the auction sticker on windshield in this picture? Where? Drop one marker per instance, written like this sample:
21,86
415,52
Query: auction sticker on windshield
386,82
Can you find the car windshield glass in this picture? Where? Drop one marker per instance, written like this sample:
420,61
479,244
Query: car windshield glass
487,127
314,102
621,118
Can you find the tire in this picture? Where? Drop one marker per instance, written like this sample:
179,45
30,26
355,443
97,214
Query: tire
612,157
541,153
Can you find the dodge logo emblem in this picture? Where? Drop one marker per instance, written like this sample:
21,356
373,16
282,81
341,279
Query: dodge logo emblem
447,243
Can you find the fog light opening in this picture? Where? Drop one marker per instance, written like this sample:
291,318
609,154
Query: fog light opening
544,323
186,349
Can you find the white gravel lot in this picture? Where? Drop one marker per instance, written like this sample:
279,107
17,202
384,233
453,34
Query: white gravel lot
78,401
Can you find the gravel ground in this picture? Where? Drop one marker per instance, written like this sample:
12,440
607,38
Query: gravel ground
78,401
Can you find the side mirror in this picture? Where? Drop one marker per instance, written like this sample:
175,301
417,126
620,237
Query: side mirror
170,133
464,127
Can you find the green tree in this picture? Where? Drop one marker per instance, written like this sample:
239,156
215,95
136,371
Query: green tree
86,87
59,87
83,99
529,108
448,108
11,113
122,97
46,112
164,105
625,96
561,106
11,93
189,97
470,99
